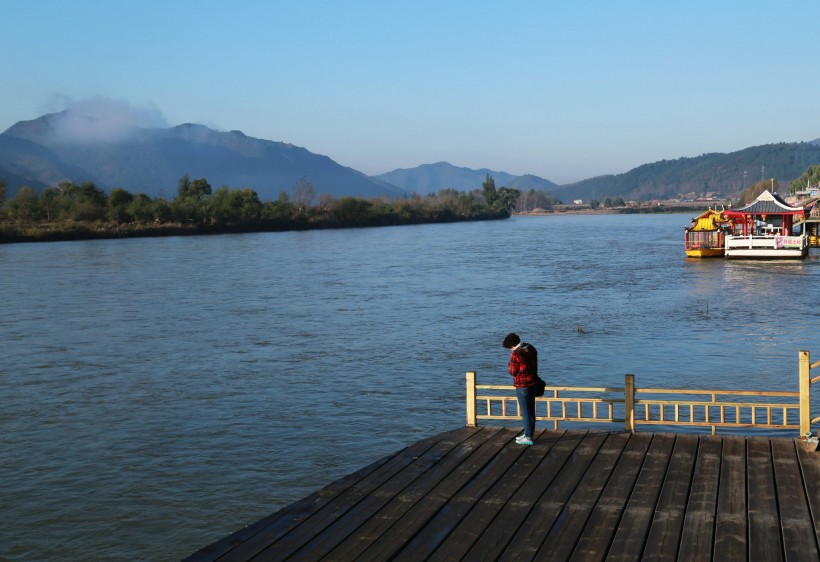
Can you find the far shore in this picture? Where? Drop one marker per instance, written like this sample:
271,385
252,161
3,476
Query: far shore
95,231
645,209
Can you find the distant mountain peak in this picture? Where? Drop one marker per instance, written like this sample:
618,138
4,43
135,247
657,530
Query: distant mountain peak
431,178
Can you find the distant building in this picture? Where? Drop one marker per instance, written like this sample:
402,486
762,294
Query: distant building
578,202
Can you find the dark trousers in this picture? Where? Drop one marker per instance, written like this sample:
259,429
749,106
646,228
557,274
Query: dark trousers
526,408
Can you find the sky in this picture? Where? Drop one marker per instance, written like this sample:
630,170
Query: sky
562,90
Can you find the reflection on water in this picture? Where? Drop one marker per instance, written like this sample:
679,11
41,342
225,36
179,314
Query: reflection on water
161,393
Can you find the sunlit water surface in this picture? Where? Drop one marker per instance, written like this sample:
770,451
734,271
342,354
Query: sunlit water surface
160,393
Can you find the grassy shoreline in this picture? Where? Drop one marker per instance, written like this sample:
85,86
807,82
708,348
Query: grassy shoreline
71,231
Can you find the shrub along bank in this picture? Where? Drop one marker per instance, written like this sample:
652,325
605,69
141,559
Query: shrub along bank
71,212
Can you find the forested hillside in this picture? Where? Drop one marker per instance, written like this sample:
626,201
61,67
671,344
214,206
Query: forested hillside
724,175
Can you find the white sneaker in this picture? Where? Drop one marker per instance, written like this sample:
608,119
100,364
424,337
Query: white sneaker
525,441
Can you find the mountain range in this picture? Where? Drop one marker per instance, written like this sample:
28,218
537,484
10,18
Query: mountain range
430,178
68,147
55,148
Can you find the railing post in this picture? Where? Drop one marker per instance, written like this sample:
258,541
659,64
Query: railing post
805,393
471,417
629,403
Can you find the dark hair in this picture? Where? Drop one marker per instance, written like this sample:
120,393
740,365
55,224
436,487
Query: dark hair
511,341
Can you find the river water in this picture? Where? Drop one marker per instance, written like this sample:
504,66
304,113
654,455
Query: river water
160,393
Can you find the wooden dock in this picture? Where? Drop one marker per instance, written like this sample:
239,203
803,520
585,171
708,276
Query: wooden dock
473,494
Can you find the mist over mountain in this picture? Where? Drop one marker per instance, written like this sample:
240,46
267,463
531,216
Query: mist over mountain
65,147
431,178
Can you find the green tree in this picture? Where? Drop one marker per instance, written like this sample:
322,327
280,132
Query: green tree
235,205
50,203
3,191
24,207
190,206
81,202
90,204
118,201
351,211
162,211
199,189
506,198
488,188
247,202
196,189
141,209
594,204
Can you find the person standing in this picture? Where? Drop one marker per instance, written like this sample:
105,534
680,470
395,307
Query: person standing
524,371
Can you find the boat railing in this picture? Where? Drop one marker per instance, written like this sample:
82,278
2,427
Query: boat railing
636,406
768,241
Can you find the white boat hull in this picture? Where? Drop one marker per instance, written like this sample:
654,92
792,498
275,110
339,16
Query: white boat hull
767,247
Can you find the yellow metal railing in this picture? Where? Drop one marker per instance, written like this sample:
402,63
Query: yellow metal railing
634,406
806,381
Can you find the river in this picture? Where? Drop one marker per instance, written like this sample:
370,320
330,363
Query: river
160,393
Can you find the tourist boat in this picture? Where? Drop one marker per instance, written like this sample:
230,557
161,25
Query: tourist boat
705,238
764,229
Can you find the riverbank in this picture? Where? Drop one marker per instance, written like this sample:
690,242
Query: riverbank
71,230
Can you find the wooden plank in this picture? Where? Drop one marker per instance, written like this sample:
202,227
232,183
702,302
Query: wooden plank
630,536
527,540
291,515
603,522
699,521
667,523
354,534
730,520
476,522
764,526
394,524
569,524
795,514
495,539
438,527
810,469
286,535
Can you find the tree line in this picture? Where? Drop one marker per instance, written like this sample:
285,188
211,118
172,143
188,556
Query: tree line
70,210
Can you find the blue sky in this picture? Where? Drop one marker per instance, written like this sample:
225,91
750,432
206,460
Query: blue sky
562,90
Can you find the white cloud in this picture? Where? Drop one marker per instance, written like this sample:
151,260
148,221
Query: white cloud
101,119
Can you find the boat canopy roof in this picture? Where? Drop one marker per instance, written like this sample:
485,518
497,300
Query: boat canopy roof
767,203
708,220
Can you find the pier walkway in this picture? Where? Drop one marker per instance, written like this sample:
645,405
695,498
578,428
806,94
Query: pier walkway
473,494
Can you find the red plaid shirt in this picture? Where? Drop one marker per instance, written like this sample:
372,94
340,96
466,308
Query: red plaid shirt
524,365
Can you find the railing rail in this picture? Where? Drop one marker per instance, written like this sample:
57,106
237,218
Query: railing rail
635,406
